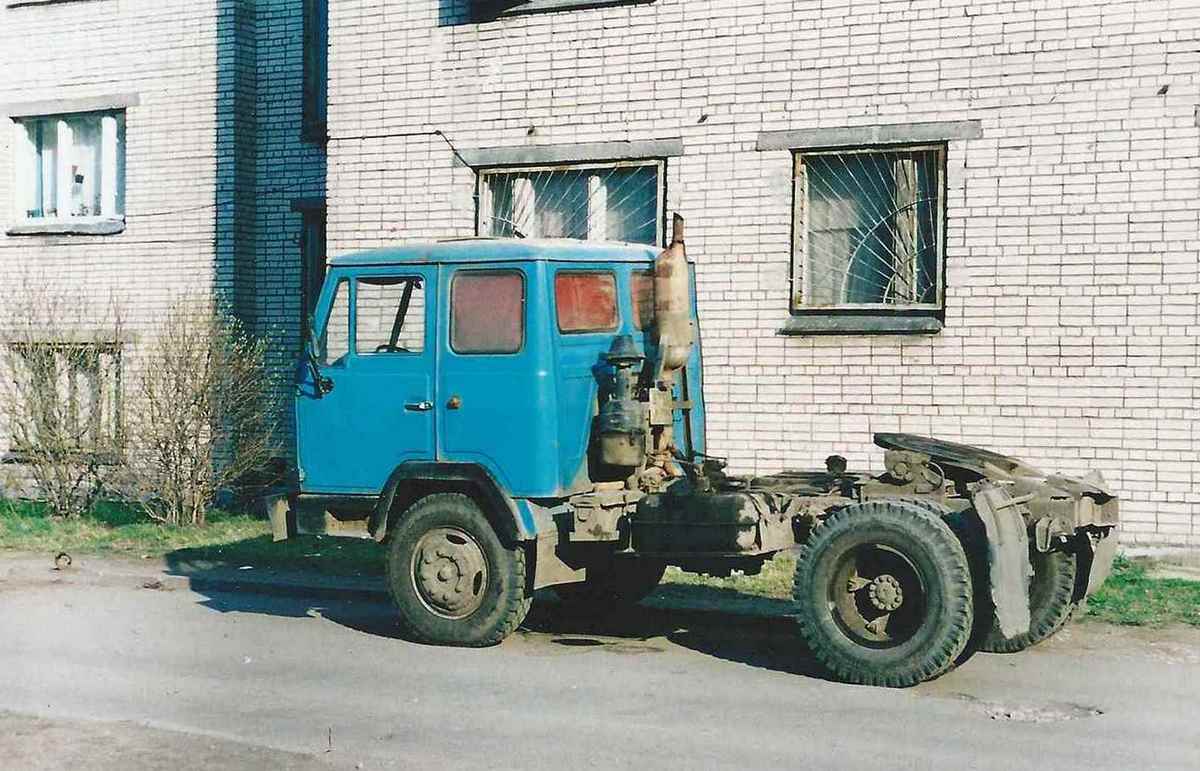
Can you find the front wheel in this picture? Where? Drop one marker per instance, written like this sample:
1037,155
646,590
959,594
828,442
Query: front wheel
452,579
883,594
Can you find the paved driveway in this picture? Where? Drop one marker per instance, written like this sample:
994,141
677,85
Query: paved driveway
327,683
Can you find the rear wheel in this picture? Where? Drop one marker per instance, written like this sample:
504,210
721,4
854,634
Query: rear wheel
883,594
1051,603
452,579
614,583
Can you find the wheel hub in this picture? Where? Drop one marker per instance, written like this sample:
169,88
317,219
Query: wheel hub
885,593
450,572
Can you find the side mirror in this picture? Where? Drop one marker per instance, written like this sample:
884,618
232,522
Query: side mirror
321,384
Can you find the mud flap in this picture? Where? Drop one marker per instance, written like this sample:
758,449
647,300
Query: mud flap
1103,550
1008,558
277,509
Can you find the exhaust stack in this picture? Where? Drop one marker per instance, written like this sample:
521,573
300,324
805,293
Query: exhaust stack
672,306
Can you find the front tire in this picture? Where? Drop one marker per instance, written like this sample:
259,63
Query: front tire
883,594
453,581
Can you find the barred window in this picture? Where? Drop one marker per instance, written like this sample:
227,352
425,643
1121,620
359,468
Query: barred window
597,202
72,397
869,228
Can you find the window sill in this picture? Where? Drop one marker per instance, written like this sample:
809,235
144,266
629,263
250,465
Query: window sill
859,323
102,227
18,3
489,11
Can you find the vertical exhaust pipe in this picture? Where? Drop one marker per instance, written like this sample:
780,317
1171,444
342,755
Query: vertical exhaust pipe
672,305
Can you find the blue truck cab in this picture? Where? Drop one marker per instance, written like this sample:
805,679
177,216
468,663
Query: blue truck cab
479,358
507,415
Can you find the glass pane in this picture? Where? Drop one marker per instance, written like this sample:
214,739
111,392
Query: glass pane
120,152
586,302
602,203
38,164
872,234
487,312
335,342
85,165
642,289
390,315
633,210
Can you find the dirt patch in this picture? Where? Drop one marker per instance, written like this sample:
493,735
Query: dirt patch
1052,712
41,744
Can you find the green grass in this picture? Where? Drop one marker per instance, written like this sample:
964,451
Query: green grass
774,582
1130,596
236,539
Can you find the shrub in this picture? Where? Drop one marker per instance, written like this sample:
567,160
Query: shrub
204,419
60,397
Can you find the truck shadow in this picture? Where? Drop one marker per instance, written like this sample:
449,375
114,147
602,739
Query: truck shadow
719,622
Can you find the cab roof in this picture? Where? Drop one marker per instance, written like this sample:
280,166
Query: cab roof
484,250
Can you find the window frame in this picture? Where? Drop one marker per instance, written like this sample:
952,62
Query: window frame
523,315
616,296
103,223
105,447
798,280
483,195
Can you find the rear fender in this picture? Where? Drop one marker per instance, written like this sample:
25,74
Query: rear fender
1009,569
512,522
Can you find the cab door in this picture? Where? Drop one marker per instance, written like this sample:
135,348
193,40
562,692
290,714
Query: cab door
496,398
365,399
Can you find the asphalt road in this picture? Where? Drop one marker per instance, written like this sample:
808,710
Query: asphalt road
228,680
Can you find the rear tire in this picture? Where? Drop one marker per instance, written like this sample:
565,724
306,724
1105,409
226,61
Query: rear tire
884,595
1051,603
453,581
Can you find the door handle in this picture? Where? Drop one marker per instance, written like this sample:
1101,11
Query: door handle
419,406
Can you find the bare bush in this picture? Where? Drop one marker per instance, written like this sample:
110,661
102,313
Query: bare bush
204,419
60,396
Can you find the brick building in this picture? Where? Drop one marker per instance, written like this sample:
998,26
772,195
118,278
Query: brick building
979,221
155,149
1053,306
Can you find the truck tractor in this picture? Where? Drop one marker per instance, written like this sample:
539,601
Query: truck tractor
506,415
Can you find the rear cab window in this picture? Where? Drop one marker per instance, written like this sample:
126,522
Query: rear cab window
586,301
487,311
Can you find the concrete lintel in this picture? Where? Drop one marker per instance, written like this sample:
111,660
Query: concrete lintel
105,227
851,323
887,134
572,153
308,203
72,104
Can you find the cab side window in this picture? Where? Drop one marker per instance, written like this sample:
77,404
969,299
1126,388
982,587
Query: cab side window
487,311
586,301
641,286
389,315
335,340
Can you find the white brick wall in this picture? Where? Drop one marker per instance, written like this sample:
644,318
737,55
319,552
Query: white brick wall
165,53
1073,223
214,156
